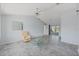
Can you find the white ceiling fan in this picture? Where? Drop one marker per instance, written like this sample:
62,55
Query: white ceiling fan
37,14
37,11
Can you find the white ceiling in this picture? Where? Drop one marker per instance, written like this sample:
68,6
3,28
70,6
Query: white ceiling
24,8
50,12
53,15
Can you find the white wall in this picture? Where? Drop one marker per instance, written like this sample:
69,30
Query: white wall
78,27
0,27
69,27
31,24
0,23
46,29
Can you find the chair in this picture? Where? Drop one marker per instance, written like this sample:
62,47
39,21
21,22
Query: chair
26,36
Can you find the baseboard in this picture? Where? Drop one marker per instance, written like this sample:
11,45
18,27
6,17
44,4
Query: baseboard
1,43
70,43
39,36
5,43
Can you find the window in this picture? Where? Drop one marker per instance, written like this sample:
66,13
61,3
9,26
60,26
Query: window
55,29
17,25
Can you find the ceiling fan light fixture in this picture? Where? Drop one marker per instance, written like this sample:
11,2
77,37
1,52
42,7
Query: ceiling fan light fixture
37,12
77,10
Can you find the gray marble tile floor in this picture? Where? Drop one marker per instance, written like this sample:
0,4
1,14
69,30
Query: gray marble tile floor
43,46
